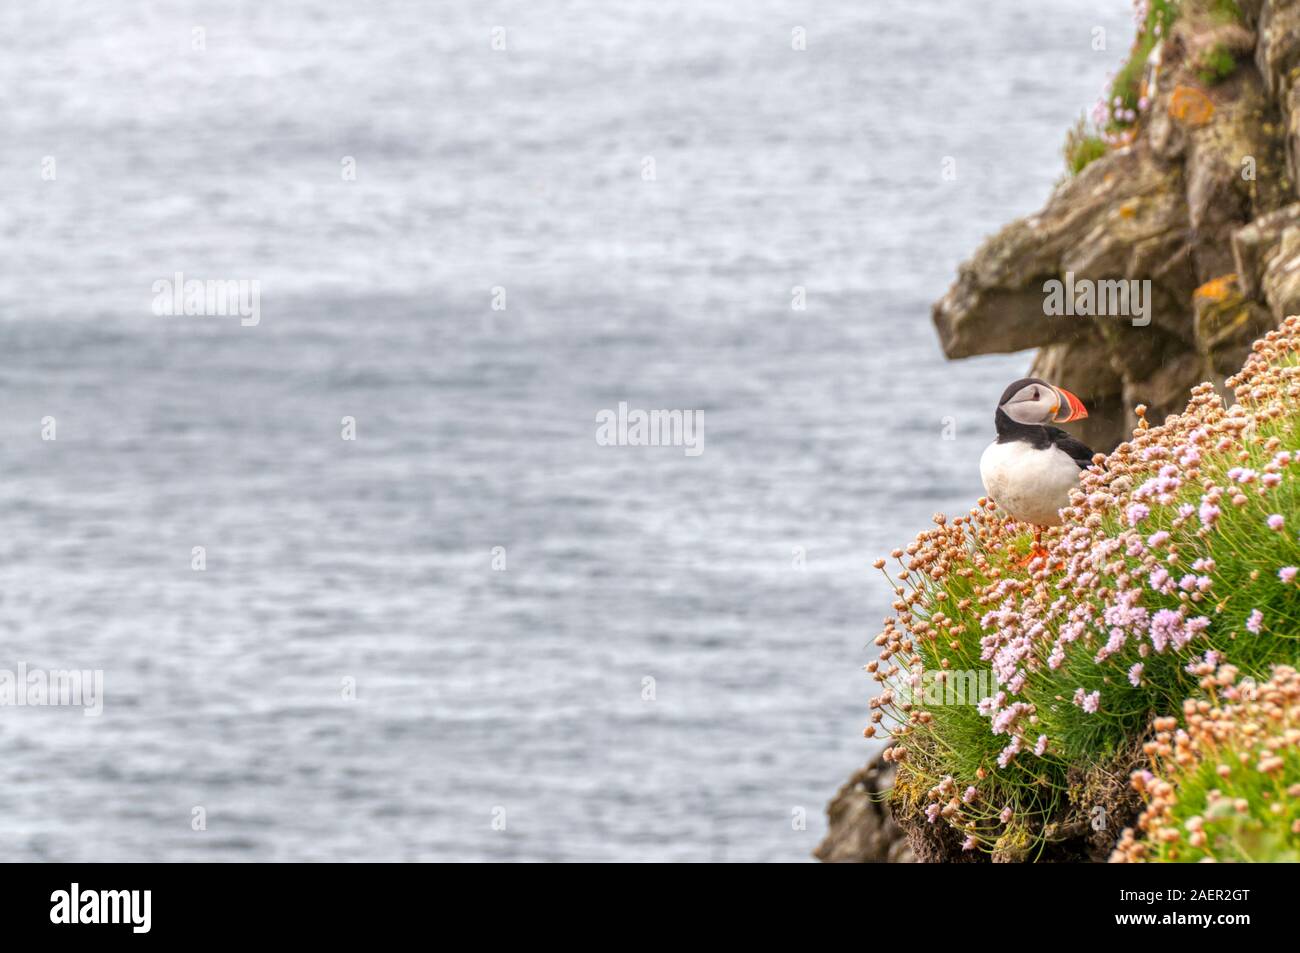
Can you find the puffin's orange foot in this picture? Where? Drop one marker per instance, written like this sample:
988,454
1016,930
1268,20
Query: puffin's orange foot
1038,552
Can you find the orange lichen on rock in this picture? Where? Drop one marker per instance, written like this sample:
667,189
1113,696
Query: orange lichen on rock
1189,105
1217,289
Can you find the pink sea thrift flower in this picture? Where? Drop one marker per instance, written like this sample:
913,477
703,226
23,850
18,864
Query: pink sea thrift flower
1287,574
1137,512
1126,613
1276,522
1006,719
1057,657
1113,645
1135,675
1255,622
1166,627
1161,487
1160,580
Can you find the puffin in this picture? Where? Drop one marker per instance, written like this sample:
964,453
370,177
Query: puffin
1032,466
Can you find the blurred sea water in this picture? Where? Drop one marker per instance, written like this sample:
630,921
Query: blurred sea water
738,581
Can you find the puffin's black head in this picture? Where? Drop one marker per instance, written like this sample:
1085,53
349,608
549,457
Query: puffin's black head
1032,400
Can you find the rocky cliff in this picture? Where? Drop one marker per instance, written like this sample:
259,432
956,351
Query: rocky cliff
1196,195
860,826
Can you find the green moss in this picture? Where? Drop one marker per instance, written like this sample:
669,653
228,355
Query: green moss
1216,65
1226,11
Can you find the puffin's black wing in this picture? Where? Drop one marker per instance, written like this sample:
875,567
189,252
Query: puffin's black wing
1079,451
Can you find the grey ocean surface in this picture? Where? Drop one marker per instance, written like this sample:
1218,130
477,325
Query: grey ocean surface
485,694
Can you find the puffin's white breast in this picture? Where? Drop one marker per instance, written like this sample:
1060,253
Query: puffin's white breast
1031,485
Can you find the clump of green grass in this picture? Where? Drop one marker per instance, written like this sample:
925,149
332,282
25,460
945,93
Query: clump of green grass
1173,560
1082,146
1227,788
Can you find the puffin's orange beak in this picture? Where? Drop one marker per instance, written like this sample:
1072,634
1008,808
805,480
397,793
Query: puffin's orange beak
1076,408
